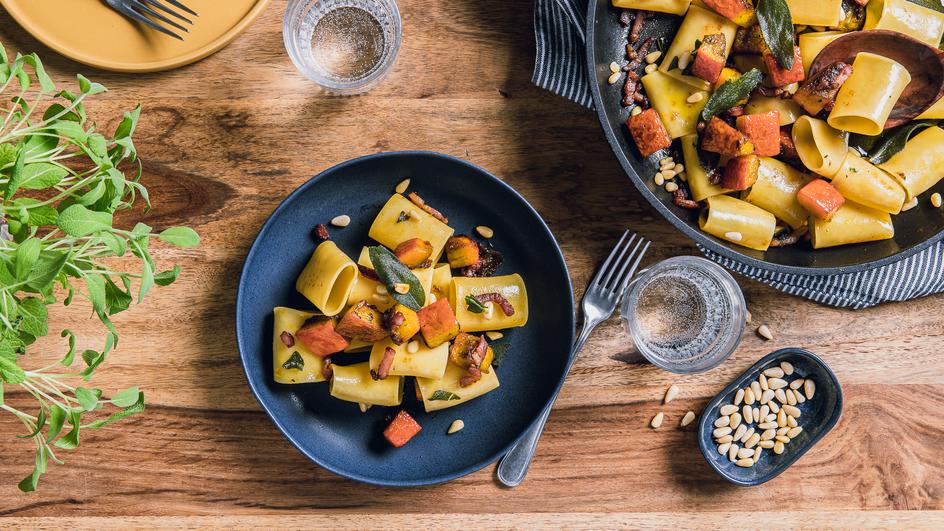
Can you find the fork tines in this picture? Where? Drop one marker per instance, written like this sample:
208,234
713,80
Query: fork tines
620,266
141,10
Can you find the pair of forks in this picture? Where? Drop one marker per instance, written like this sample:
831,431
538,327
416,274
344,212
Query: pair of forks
148,12
599,303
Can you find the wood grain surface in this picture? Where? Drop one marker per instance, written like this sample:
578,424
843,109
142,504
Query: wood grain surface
224,140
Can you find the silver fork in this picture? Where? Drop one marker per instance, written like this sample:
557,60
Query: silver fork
599,302
139,10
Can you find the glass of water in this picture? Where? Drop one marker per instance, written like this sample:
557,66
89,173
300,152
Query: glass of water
346,46
685,314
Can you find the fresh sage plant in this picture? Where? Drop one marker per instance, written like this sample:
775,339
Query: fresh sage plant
61,182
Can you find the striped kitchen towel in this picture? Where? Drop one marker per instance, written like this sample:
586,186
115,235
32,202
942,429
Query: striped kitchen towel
559,27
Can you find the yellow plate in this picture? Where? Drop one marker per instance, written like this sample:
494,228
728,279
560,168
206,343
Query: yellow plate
92,33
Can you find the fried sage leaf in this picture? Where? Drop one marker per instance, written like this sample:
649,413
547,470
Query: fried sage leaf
731,92
443,395
894,140
392,272
776,25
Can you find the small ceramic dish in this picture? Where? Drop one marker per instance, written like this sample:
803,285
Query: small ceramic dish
819,415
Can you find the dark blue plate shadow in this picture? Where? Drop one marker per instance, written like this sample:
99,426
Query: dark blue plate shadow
335,434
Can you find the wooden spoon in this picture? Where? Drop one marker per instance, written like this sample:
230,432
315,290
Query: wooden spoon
923,62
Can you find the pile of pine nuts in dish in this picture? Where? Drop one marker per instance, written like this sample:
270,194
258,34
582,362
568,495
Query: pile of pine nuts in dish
762,416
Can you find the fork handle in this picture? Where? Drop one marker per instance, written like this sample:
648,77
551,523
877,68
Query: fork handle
513,467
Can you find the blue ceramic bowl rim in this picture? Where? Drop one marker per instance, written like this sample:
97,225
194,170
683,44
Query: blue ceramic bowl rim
708,451
243,356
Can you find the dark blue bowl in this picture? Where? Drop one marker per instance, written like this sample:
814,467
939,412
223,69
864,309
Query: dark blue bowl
335,434
820,414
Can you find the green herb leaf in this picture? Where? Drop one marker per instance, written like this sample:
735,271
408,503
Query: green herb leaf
166,278
88,398
180,236
26,256
776,25
295,361
473,304
126,398
40,175
892,141
133,409
78,220
402,217
499,350
731,92
443,395
392,272
57,419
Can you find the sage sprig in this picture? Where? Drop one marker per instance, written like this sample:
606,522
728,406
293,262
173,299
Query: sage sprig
61,182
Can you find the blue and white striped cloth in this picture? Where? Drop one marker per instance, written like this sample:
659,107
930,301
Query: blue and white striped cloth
559,27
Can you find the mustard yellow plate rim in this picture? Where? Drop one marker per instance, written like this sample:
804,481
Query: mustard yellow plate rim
101,38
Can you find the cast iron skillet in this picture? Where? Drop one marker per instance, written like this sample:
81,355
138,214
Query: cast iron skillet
335,434
915,229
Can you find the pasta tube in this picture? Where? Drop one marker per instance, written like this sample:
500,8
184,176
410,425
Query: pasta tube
852,223
293,372
906,17
920,165
738,222
442,280
399,220
812,43
821,148
698,182
816,12
698,22
858,180
675,7
511,287
867,97
934,112
775,191
328,278
425,362
354,383
449,383
789,110
669,98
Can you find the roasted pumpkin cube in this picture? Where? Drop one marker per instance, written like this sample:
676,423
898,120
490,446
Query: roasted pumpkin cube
414,252
709,58
741,12
489,358
320,337
779,76
741,172
461,348
438,323
719,137
648,132
726,75
749,40
763,130
462,251
820,199
362,322
402,428
403,322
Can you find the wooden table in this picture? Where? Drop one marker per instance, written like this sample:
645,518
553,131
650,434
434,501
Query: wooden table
224,140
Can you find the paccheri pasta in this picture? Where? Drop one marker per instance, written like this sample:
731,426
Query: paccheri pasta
779,148
418,318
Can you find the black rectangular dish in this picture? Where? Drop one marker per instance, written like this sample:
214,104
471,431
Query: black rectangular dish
819,415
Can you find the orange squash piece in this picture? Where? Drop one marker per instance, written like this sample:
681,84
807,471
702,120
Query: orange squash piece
319,336
438,323
820,199
763,130
402,428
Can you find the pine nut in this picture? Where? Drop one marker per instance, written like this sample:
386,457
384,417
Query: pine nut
799,396
768,434
781,395
456,425
651,68
936,200
684,59
722,422
740,431
756,413
404,184
734,236
774,372
671,187
637,110
787,367
670,394
666,160
341,221
696,97
773,407
752,442
757,390
725,439
782,418
748,414
747,435
719,432
771,418
723,448
735,420
782,438
381,289
614,67
764,332
733,452
767,396
747,316
687,419
762,379
738,397
652,57
657,421
363,407
757,452
767,445
679,168
728,409
745,452
778,448
485,232
792,421
768,426
413,347
614,77
764,411
796,384
776,383
793,411
401,288
745,463
795,431
809,388
791,398
494,336
783,430
748,396
659,179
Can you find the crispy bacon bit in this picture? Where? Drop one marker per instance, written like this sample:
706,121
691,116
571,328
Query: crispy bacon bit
473,374
321,233
637,26
680,198
384,369
788,149
287,339
498,299
327,370
626,17
734,112
477,354
789,237
489,262
394,319
368,272
629,89
819,92
418,201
